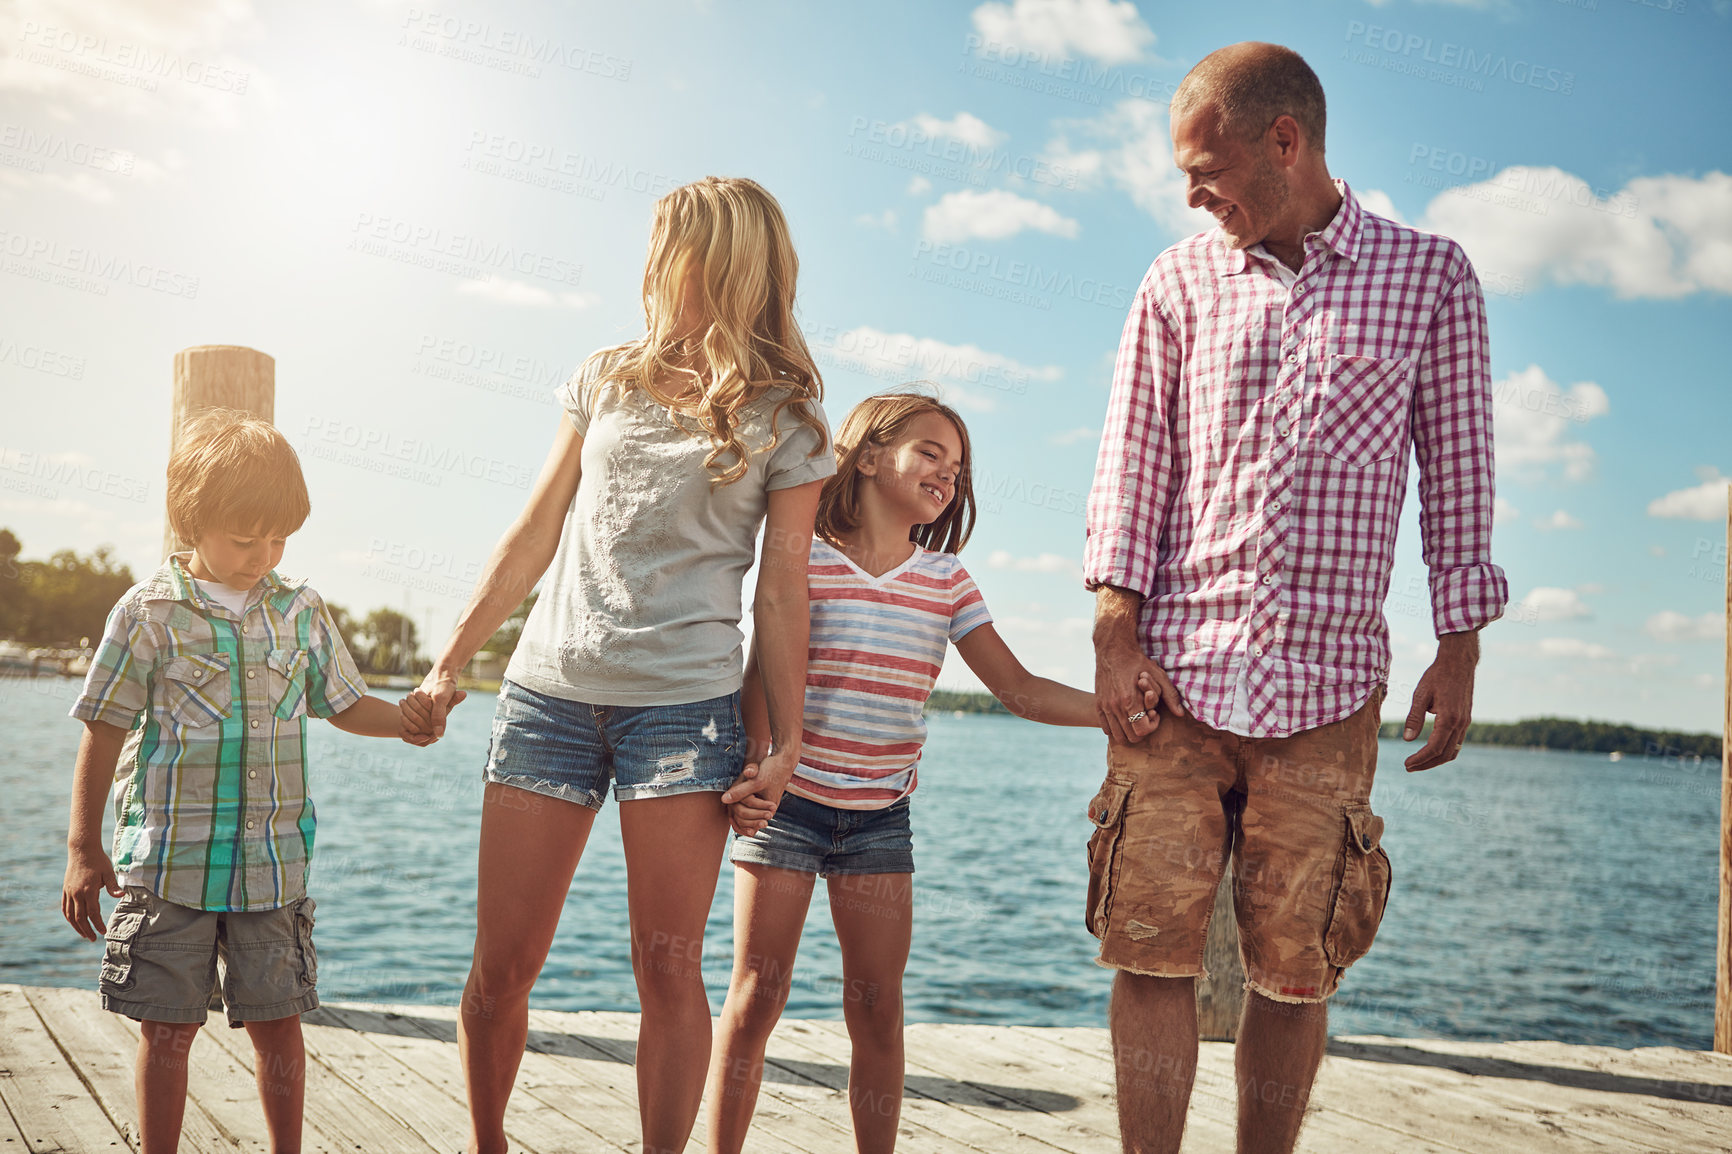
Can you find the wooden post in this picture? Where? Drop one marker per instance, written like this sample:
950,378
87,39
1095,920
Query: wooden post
1723,950
1221,996
218,377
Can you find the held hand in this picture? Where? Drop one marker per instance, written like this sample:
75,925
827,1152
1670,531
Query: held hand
1130,691
751,813
440,695
87,875
764,781
1446,689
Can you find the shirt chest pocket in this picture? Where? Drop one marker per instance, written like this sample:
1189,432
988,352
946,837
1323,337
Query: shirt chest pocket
286,682
1364,415
195,688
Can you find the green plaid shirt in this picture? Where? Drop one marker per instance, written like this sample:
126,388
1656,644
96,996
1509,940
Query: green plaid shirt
210,803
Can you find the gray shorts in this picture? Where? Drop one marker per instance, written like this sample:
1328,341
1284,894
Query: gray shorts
160,961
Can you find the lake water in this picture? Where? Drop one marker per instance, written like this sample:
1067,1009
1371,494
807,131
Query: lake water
1537,894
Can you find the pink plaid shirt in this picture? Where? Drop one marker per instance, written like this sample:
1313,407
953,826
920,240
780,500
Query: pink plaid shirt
1254,462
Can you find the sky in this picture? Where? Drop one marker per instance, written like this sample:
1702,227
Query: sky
429,215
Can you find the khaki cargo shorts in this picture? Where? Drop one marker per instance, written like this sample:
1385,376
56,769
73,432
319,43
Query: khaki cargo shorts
1311,879
159,962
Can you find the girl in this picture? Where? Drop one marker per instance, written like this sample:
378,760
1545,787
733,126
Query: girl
672,450
887,592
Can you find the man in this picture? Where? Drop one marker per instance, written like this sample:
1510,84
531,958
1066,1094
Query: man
1272,374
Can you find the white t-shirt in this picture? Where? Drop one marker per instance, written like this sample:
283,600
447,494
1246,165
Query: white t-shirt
641,605
225,595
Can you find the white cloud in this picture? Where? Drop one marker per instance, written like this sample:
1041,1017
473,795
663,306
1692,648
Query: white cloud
1044,563
1658,236
1072,436
1670,625
903,357
1131,145
993,215
964,126
1558,520
1104,30
1573,647
919,186
1377,201
513,292
1532,416
1550,603
885,220
1704,502
1504,512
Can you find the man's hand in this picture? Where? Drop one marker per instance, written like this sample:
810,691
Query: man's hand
1130,690
88,873
1445,689
425,710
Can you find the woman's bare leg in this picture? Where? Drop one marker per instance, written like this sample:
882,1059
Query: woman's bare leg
769,911
530,846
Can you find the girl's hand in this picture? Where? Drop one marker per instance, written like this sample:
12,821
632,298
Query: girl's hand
764,781
752,813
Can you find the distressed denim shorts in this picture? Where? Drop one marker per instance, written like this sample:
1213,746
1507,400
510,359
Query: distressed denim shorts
571,749
816,838
159,962
1310,876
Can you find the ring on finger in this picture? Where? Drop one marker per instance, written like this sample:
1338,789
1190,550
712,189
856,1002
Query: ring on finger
1138,715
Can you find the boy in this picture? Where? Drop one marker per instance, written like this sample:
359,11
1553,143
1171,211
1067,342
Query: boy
200,690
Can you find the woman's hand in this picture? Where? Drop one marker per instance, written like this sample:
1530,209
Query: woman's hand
425,710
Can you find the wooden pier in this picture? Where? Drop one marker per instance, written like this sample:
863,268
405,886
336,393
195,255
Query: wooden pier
384,1080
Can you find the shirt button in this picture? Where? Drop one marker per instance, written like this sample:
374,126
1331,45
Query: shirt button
1299,291
255,723
252,673
252,773
1258,650
1268,580
1292,358
249,825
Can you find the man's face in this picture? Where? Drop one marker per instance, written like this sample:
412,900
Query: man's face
1233,179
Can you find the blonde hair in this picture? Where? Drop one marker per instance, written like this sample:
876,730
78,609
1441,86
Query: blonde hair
879,421
232,471
731,233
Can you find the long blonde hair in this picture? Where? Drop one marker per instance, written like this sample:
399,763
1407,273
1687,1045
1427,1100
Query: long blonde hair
732,233
878,421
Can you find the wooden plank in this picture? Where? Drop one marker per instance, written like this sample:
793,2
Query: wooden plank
418,1037
103,1047
11,1138
51,1107
337,1118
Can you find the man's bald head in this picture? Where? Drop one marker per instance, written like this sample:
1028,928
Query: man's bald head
1251,84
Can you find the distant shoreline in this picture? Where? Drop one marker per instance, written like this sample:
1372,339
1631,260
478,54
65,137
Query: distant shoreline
1559,733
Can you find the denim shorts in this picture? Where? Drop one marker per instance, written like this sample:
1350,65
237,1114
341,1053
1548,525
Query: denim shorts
571,749
815,838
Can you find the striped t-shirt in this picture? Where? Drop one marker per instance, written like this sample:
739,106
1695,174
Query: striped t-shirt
876,648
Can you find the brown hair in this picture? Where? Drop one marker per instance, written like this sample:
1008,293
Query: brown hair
232,471
1251,85
873,423
731,234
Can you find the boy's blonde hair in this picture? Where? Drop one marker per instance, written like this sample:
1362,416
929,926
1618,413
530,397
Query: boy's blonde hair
234,472
732,234
873,423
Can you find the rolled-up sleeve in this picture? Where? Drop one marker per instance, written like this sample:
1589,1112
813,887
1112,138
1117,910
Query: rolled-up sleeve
1452,437
1134,471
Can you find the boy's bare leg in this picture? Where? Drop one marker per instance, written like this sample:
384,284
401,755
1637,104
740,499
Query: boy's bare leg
1154,1029
1279,1049
280,1064
530,846
161,1083
874,916
769,912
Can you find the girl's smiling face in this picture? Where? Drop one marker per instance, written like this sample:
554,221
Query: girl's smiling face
915,476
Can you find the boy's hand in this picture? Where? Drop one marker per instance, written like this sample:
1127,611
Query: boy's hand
751,813
420,725
88,873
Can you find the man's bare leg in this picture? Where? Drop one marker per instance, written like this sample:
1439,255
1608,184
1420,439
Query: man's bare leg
1280,1047
1154,1027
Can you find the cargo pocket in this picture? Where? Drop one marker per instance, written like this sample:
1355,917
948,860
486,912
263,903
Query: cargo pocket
1107,811
196,688
1362,890
124,926
286,682
304,940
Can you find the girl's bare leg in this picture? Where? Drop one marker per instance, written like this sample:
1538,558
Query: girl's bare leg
874,915
530,846
769,911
